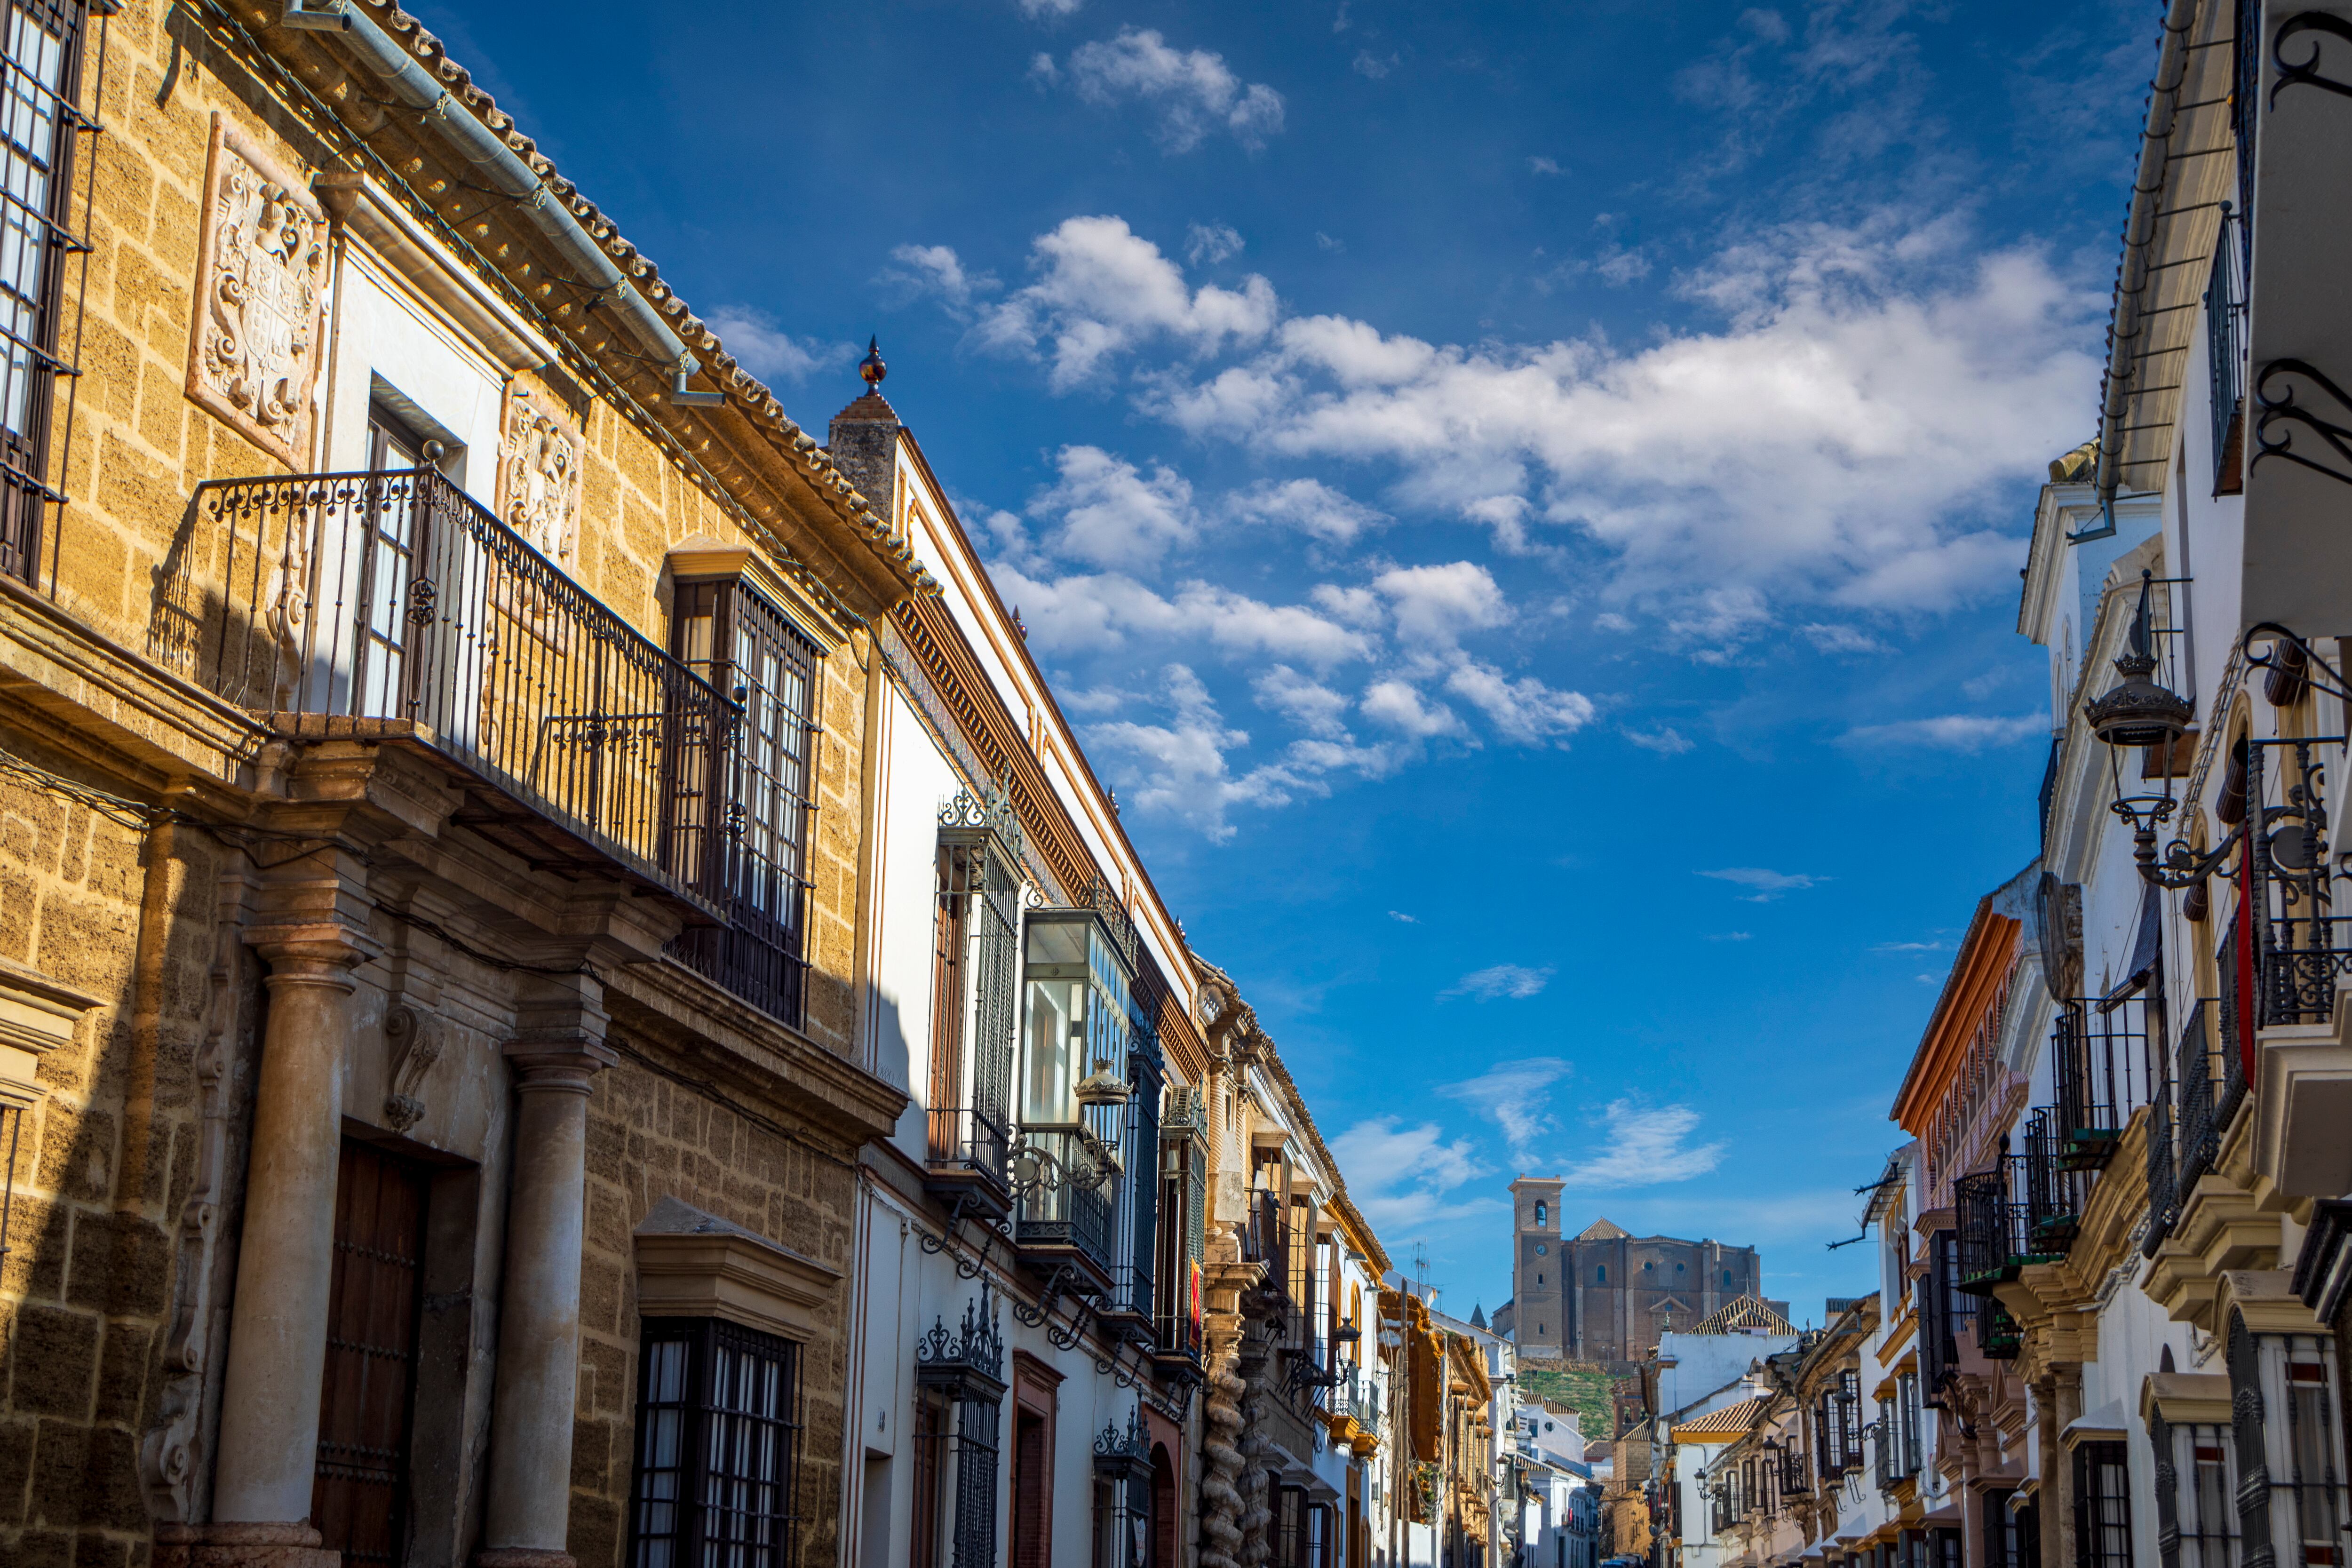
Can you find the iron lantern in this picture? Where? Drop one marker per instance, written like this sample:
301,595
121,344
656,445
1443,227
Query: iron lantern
2140,717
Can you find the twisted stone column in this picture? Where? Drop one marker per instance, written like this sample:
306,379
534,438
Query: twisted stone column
527,1518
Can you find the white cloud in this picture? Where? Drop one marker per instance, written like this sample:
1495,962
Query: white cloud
1839,639
1308,505
1306,702
1110,513
1666,740
768,351
1372,67
1398,705
1205,244
1515,980
1543,165
1731,936
1401,915
937,271
1356,606
1329,242
1836,438
1435,604
1103,289
1194,90
1179,768
1512,1095
1965,732
1908,947
1090,612
1643,1146
1050,9
1525,710
1404,1178
1767,885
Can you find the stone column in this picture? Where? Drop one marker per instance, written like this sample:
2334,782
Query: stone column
285,1259
527,1516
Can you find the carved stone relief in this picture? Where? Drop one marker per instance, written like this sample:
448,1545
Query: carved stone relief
417,1039
539,475
256,334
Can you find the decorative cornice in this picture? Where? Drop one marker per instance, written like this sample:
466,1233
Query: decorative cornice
695,1265
720,1035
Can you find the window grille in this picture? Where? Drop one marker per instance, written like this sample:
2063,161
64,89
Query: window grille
1907,1406
2225,348
2290,1484
2101,1506
2012,1532
965,1370
39,126
1183,1204
719,1445
1138,1145
975,957
753,833
2196,1516
1946,1313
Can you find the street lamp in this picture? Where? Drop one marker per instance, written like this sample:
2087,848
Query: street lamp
2139,716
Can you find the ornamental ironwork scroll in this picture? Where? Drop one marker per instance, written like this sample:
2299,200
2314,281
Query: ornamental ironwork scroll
2280,415
2305,72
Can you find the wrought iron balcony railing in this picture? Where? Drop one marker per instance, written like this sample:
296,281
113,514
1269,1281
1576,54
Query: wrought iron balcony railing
2100,1054
392,605
1067,1183
2302,950
2211,1071
1268,1238
970,1143
2001,1232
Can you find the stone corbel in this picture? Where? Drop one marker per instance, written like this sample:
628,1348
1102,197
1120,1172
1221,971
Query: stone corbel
417,1039
695,1265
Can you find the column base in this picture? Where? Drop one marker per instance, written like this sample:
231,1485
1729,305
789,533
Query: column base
523,1557
241,1546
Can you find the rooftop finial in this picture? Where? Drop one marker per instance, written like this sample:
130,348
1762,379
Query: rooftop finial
871,367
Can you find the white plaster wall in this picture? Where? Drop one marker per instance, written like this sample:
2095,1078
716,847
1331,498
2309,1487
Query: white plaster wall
380,332
905,857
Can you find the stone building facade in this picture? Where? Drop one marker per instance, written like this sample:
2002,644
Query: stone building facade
491,814
1603,1295
380,855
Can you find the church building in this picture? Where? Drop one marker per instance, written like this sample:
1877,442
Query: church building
1604,1294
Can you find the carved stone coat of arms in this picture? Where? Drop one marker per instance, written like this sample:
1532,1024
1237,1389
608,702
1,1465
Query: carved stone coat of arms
538,475
256,334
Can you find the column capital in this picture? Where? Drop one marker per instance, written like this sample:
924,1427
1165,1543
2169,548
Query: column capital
561,1061
326,950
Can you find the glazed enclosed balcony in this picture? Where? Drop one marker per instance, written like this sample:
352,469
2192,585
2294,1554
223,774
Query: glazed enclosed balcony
391,607
1079,1020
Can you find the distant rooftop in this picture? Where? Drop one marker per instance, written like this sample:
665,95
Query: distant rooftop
1746,1315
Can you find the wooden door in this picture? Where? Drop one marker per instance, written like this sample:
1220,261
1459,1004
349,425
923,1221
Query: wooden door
359,1498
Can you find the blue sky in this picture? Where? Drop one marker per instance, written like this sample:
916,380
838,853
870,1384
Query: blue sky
1524,502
